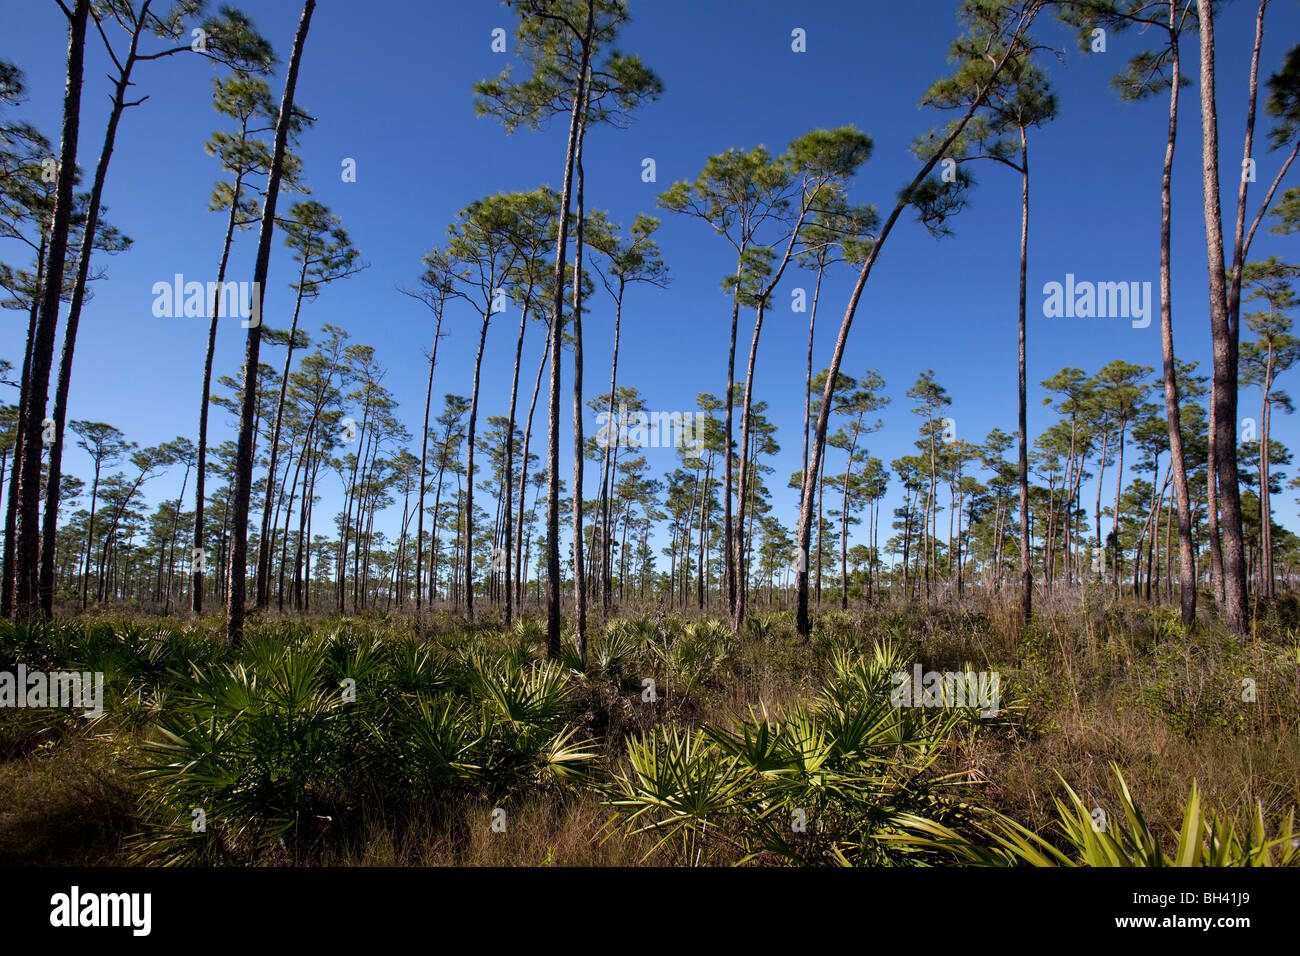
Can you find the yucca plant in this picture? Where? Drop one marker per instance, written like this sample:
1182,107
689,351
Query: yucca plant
761,627
526,707
517,694
679,785
414,667
435,743
616,651
173,649
1204,839
571,653
827,782
693,656
529,631
832,626
258,751
138,707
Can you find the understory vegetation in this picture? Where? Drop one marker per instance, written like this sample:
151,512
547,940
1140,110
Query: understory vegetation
1121,738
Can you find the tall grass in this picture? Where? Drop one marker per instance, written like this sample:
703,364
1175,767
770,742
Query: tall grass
384,738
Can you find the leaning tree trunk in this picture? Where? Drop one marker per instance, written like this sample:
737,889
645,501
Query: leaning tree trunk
508,487
32,415
823,415
807,389
200,475
11,499
523,476
1178,461
237,582
266,536
606,549
469,470
50,526
424,457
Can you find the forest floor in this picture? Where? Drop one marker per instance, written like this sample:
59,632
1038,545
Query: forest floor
383,740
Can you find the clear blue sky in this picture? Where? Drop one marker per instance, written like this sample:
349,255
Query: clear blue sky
390,84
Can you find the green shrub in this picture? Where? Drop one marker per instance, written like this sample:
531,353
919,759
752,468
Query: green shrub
829,782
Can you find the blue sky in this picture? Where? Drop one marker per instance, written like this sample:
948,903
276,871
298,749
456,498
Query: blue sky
390,85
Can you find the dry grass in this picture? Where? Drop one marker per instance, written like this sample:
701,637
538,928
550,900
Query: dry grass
1102,683
70,804
546,830
1089,682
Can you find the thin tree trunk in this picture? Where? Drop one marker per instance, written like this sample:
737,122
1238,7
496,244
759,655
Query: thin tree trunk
32,414
11,502
90,534
266,535
469,470
1224,338
553,645
200,477
807,391
1265,504
606,550
841,342
243,478
1114,524
171,559
424,457
844,525
1026,565
520,572
1178,460
54,468
579,572
510,459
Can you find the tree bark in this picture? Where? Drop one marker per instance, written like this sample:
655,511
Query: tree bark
11,501
243,484
52,482
1026,564
424,458
266,537
1224,339
579,571
1178,460
553,645
32,414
